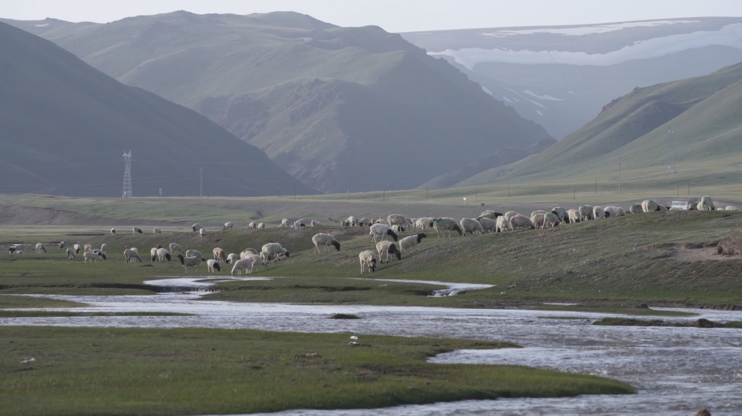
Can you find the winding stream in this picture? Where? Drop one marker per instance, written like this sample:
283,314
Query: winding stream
677,370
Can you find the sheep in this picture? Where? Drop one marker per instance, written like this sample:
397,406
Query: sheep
490,214
537,218
70,253
551,220
261,225
574,215
228,226
252,224
163,255
609,212
156,231
510,214
386,248
586,212
706,204
325,240
349,222
381,230
502,224
598,212
212,265
202,232
561,213
134,249
425,222
412,241
538,211
195,253
136,230
272,251
284,223
314,223
636,209
240,265
367,258
247,251
488,225
189,262
175,248
379,221
90,256
113,231
231,258
104,247
397,219
521,221
62,244
195,227
298,224
40,248
731,208
256,260
153,254
16,249
649,206
364,222
619,212
88,247
471,226
446,224
397,228
131,255
77,248
219,254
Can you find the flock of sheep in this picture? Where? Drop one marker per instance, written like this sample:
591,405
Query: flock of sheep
379,230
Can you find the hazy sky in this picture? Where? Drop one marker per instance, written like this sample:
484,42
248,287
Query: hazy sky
392,15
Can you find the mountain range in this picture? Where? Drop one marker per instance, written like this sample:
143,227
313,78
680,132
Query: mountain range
339,108
65,126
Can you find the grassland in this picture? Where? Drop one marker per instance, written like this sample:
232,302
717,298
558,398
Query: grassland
199,371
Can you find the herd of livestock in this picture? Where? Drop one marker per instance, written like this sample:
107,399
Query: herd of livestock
379,230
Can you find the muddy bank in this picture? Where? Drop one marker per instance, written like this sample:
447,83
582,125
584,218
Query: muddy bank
700,323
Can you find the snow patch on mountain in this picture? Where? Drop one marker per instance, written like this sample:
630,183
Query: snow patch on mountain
542,97
585,30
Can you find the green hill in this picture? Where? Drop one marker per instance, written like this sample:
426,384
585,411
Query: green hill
339,108
703,112
65,126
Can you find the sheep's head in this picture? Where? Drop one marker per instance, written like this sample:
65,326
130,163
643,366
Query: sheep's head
337,245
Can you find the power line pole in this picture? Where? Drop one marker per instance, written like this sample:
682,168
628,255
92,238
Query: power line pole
201,187
128,190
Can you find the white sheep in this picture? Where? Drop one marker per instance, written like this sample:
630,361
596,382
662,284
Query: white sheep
397,228
521,221
175,248
538,211
189,262
252,224
574,215
163,254
113,231
324,240
488,225
272,251
77,248
315,223
586,212
381,230
411,241
367,258
261,226
598,212
256,260
228,226
244,264
195,253
62,244
471,226
493,215
246,252
441,225
706,204
104,247
423,223
510,214
397,219
212,265
70,253
88,247
502,224
90,256
284,223
649,206
195,227
636,209
202,232
561,213
153,254
609,211
231,258
40,248
551,220
136,230
731,208
156,231
384,248
364,222
537,219
131,256
219,254
299,224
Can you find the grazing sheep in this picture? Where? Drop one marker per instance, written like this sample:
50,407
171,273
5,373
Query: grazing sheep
134,249
551,220
175,248
538,219
163,255
299,224
202,232
538,211
252,224
195,253
510,214
502,224
367,258
324,240
77,248
397,228
219,254
16,249
131,256
636,209
412,241
379,221
153,254
471,226
381,230
521,221
261,226
231,258
731,208
212,265
397,219
136,230
256,260
62,244
91,256
272,252
586,212
561,213
441,225
706,204
284,223
247,251
88,247
314,223
113,231
189,262
619,212
425,222
574,215
488,225
195,227
649,206
386,248
104,247
598,212
70,253
228,226
240,265
364,222
490,214
40,248
156,231
609,211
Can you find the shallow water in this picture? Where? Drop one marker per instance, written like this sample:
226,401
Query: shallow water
677,370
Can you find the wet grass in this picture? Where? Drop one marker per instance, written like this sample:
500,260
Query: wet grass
13,302
46,314
88,371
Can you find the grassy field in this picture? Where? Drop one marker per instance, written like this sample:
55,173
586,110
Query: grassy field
200,371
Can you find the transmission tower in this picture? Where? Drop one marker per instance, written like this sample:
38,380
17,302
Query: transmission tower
128,192
670,153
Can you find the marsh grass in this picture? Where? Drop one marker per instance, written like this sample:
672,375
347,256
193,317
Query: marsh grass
87,371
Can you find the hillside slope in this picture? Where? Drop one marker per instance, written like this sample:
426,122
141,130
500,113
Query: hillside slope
703,113
339,108
65,126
